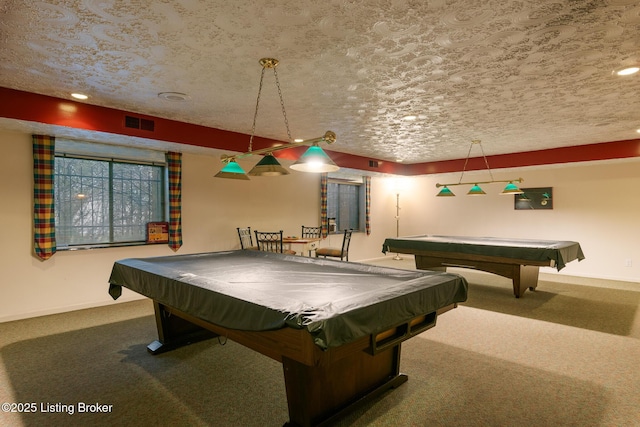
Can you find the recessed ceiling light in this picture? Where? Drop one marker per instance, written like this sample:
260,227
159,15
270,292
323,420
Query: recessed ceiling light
638,130
626,71
173,96
409,118
298,140
79,96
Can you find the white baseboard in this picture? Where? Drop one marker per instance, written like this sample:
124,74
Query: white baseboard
67,308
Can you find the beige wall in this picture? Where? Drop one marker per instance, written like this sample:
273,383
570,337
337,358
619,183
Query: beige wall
594,204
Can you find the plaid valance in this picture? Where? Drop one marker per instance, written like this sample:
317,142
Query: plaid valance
44,224
174,164
367,214
324,222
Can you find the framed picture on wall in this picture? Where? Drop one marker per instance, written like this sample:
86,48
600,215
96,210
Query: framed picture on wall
534,198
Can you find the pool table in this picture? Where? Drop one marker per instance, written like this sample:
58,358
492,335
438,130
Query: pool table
336,327
516,259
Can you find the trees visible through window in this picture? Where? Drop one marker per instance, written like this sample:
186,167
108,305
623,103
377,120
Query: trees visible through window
106,201
344,205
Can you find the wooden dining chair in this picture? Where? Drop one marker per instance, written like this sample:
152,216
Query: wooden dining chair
271,241
310,232
246,239
341,252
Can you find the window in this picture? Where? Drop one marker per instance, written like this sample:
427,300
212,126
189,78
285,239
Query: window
106,201
345,201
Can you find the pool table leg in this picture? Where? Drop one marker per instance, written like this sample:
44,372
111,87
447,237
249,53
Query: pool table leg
319,394
174,332
524,277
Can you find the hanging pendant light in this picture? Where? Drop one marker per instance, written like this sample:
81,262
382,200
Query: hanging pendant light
232,170
269,165
511,188
315,160
445,192
476,190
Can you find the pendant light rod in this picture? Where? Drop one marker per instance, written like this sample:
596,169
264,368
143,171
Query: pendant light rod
519,180
329,137
313,160
476,190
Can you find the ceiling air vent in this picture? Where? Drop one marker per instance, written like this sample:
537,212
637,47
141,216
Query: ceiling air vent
138,123
146,124
131,122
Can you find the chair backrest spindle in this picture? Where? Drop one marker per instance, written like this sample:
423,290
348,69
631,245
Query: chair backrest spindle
308,232
246,239
271,241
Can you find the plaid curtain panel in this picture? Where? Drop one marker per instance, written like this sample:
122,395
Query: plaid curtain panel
367,204
174,164
324,222
44,221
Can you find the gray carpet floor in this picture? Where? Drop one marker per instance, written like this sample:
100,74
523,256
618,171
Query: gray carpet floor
565,355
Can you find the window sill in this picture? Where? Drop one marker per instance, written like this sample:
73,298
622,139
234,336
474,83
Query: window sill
101,246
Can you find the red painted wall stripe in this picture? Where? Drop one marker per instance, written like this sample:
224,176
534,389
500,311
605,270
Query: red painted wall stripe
38,108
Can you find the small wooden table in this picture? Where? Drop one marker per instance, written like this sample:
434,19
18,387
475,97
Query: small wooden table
309,243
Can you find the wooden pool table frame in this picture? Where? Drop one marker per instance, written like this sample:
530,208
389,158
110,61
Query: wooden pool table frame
517,259
321,385
522,272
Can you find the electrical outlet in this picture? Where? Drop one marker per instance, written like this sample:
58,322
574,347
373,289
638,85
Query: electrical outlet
627,262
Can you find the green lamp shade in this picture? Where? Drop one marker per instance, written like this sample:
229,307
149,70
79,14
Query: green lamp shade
315,160
445,192
268,166
511,188
476,191
232,170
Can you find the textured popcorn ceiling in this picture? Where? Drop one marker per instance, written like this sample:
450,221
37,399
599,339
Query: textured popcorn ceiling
517,74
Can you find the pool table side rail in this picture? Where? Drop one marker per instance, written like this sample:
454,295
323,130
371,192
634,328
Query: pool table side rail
291,343
549,255
459,257
424,293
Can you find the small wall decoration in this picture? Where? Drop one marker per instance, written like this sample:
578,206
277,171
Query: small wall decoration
157,232
534,198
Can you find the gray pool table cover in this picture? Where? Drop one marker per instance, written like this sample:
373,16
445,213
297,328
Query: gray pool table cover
337,302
